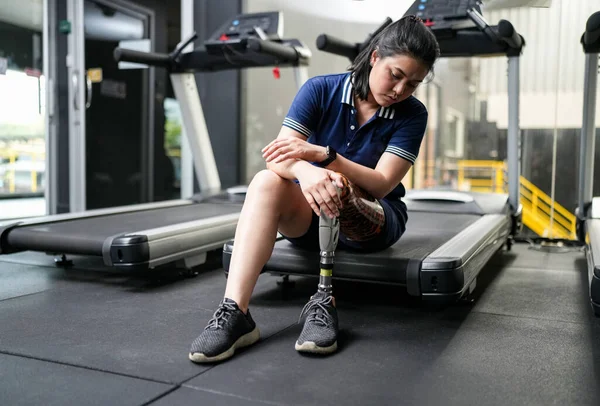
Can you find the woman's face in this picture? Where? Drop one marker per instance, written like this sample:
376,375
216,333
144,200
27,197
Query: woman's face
394,78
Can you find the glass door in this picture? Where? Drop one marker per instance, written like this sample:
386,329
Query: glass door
111,131
23,113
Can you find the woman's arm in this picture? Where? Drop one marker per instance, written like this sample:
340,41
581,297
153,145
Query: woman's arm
394,163
317,183
289,156
289,168
378,182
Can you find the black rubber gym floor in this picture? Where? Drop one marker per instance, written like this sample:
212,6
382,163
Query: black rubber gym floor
82,337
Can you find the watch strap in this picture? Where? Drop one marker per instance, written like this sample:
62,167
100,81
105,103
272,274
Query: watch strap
331,155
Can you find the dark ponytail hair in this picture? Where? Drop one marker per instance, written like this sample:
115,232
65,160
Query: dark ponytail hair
407,36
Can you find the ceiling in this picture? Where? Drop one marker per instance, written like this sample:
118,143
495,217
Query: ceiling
493,4
29,13
374,11
24,13
363,11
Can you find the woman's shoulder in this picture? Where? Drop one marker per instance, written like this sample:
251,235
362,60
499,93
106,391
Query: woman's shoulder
411,107
330,80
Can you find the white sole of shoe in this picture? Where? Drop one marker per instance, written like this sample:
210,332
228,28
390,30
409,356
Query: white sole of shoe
244,341
309,346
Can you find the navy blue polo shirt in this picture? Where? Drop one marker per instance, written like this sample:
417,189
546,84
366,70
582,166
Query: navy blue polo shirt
324,112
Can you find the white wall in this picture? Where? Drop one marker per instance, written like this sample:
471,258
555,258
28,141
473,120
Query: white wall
552,65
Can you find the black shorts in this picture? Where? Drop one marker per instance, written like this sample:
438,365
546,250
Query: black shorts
394,227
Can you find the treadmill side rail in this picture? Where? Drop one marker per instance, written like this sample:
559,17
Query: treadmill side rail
5,228
593,259
439,195
148,249
468,241
450,270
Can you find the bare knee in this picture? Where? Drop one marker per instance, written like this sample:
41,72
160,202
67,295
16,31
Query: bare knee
267,181
269,186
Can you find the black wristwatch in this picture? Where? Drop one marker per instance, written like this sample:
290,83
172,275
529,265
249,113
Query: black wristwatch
331,155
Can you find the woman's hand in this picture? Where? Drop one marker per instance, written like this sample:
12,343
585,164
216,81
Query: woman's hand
319,188
281,149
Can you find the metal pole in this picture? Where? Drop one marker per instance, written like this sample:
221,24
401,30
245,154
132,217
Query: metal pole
437,156
301,75
51,116
514,135
77,134
588,136
186,91
187,160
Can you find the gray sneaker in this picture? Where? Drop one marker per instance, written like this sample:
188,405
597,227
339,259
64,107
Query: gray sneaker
319,335
228,330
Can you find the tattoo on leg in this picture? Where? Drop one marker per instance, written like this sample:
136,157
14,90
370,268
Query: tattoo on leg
361,217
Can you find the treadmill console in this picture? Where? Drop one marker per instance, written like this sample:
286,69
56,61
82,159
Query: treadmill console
234,33
595,208
440,14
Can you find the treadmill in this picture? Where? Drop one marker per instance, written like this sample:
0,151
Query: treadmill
450,235
142,237
588,210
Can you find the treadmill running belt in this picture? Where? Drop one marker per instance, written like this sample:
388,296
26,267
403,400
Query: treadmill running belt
86,236
425,233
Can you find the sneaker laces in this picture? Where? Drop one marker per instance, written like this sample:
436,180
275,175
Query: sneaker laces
316,311
222,314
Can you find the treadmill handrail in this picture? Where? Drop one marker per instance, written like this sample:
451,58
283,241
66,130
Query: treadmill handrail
147,58
591,37
508,34
279,51
483,39
334,45
153,58
337,46
502,39
257,52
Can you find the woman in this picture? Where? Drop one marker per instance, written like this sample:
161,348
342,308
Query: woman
344,147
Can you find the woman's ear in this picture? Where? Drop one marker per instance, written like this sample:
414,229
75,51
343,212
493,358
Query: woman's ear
374,57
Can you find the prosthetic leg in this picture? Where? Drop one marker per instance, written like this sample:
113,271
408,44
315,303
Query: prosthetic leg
361,219
329,231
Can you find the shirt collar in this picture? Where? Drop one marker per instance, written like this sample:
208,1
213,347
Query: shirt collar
347,93
348,98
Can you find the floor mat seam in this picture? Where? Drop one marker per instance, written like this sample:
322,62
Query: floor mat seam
531,268
530,317
216,392
162,395
28,263
25,295
63,363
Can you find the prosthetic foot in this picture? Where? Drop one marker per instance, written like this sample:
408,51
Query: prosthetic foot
319,335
